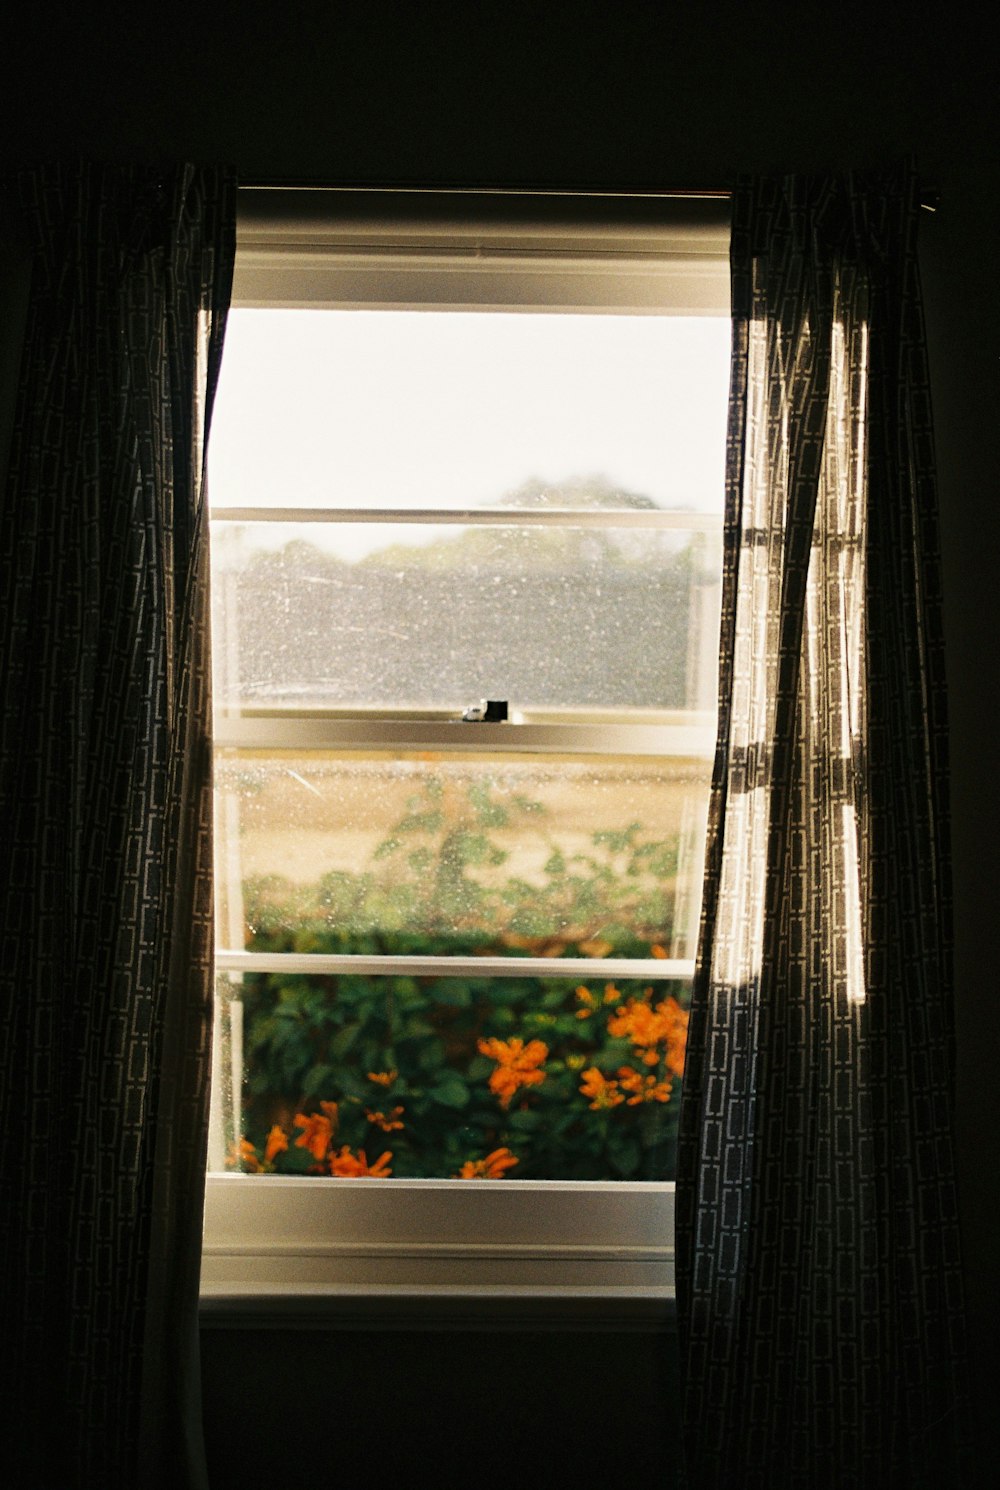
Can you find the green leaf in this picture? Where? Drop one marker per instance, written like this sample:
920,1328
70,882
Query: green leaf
451,1091
431,1055
555,998
624,1153
453,992
317,1080
416,1028
344,1039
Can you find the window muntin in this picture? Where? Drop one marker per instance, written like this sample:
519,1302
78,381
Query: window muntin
252,720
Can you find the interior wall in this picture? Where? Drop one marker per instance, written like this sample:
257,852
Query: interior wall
517,1411
620,95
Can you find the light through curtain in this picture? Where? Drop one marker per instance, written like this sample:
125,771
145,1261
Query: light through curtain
105,888
819,1286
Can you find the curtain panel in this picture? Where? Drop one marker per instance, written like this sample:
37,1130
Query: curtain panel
105,888
819,1291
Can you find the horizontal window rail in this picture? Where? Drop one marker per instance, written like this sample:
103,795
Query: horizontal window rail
660,968
505,517
287,731
639,281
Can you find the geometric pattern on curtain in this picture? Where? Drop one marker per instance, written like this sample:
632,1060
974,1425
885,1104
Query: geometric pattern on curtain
819,1281
105,875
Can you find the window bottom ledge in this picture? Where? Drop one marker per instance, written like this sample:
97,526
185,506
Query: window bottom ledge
437,1307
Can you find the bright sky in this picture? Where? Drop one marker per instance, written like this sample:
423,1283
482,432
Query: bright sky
350,408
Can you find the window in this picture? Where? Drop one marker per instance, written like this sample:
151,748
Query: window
466,475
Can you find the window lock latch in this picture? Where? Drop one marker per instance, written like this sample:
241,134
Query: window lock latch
487,711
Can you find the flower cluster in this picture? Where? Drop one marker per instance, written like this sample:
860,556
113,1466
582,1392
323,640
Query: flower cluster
318,1129
391,1124
642,1087
589,1002
493,1167
601,1092
629,1086
318,1132
243,1156
348,1165
517,1065
658,1033
383,1078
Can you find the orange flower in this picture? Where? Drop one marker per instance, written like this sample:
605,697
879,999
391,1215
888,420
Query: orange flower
318,1130
277,1143
587,1000
243,1155
676,1020
383,1078
637,1021
493,1167
387,1124
648,1028
355,1166
517,1065
602,1092
642,1088
657,951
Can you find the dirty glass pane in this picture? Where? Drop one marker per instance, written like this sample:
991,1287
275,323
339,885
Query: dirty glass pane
422,615
429,853
447,1078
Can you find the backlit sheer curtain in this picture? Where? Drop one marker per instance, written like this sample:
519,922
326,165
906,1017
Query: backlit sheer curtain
105,890
818,1261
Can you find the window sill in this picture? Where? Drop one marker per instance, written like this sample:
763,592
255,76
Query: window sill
428,1254
443,1308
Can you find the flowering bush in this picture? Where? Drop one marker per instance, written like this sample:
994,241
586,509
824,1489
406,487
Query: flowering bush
478,1077
453,1090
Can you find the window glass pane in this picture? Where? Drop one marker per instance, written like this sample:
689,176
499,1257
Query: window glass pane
450,408
436,1077
425,615
434,853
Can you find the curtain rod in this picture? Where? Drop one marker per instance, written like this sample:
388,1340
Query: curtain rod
485,191
929,200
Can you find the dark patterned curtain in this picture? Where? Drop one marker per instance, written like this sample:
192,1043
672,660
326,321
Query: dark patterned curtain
105,890
818,1258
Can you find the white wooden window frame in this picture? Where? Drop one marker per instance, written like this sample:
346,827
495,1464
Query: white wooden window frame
444,1253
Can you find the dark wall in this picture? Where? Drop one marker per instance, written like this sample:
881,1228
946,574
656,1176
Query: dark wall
503,93
515,1411
618,95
